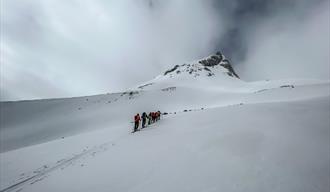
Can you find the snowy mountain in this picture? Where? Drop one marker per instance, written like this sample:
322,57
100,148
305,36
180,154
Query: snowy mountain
214,70
218,133
211,65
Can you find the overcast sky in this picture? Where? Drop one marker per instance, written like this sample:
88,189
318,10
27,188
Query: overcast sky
67,48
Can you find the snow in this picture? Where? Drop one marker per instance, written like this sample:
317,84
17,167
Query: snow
235,136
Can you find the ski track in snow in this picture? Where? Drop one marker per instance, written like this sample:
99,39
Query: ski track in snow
43,172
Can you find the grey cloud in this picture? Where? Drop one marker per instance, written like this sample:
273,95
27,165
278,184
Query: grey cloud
91,47
30,85
296,47
80,47
245,17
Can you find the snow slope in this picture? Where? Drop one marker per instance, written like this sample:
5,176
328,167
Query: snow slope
220,134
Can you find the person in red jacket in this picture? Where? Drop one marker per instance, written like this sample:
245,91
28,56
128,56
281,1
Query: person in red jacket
154,118
137,120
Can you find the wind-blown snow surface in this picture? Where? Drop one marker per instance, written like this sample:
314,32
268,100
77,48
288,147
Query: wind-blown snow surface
234,136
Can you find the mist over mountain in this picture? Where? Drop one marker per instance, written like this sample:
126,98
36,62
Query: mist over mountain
75,48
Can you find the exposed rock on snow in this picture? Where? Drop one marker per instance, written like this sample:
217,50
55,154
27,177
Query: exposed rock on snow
207,65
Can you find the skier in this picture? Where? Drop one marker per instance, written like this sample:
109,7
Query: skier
149,118
137,122
153,115
144,119
158,115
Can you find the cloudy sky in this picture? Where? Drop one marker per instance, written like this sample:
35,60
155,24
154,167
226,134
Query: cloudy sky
70,48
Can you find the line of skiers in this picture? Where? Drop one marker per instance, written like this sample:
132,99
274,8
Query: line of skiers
152,117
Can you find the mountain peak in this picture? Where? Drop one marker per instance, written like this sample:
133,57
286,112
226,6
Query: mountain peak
209,66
